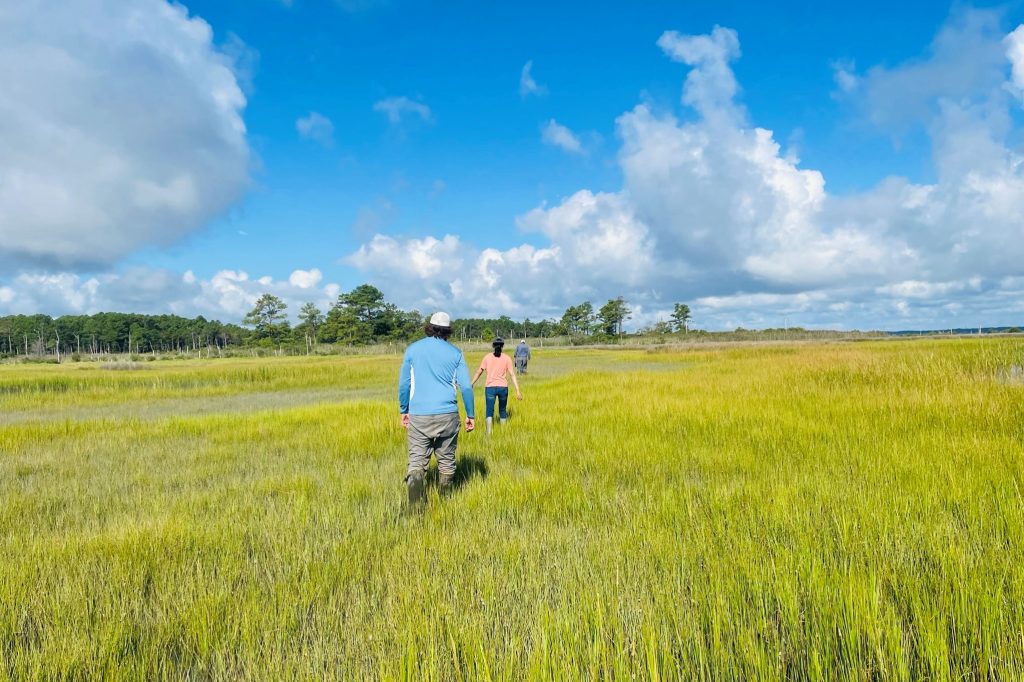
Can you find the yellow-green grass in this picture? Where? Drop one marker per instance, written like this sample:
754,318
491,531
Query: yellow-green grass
811,511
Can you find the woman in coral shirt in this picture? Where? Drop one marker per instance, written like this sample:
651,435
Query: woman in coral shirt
499,369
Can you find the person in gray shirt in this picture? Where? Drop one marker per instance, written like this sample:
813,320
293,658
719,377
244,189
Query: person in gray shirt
522,356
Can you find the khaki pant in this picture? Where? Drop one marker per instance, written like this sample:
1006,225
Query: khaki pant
432,433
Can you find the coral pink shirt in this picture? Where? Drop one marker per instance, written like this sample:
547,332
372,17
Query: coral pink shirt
497,369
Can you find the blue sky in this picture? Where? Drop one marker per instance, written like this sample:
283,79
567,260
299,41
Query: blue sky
208,151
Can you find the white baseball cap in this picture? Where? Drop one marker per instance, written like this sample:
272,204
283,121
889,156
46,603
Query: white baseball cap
440,319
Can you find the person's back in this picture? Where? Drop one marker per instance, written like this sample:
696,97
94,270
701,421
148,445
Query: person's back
432,367
522,356
497,368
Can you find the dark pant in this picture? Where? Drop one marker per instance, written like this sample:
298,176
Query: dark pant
501,393
521,365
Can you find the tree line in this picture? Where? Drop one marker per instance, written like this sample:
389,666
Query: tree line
583,320
109,333
358,317
362,316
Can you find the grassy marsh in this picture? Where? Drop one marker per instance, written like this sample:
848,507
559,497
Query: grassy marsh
789,511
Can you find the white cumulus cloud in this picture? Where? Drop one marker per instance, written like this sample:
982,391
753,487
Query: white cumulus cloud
305,279
527,85
316,127
710,87
597,244
121,127
557,135
844,76
965,61
396,107
226,295
1015,53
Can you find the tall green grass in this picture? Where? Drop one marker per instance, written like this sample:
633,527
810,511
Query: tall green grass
33,387
815,511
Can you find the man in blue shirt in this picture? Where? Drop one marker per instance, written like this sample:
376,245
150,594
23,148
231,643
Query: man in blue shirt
522,356
433,371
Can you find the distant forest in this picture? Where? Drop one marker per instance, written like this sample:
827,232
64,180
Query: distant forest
359,317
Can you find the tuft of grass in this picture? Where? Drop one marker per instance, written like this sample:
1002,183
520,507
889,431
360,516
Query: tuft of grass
787,511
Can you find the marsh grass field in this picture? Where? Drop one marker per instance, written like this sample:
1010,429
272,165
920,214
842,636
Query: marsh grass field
754,512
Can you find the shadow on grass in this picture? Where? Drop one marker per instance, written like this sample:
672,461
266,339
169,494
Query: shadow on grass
467,467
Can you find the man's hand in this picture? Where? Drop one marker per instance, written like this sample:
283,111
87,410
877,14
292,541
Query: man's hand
470,424
519,395
405,421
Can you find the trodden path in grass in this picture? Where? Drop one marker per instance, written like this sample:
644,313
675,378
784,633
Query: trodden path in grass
814,511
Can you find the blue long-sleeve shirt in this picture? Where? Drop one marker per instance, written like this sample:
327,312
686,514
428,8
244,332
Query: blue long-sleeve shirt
432,372
523,351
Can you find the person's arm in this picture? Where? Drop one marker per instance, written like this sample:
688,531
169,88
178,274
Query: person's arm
466,387
515,381
404,382
477,375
